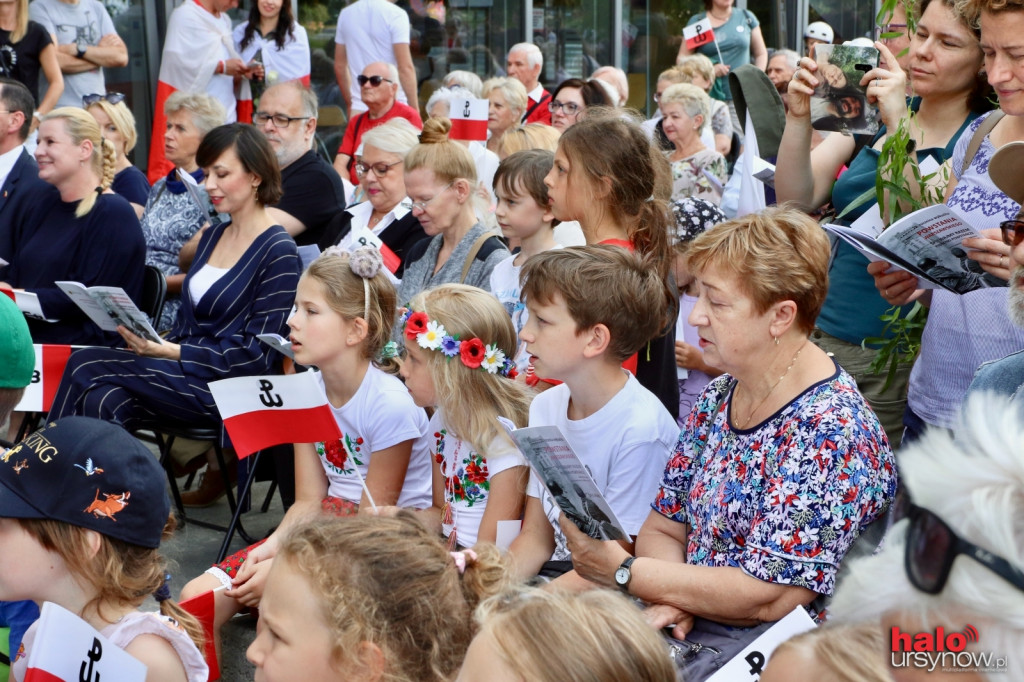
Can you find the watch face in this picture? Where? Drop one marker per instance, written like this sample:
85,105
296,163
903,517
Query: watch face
622,576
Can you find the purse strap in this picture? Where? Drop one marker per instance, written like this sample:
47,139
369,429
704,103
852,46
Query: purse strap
473,250
980,132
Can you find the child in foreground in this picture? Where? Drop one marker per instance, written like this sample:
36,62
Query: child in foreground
344,312
83,508
370,598
459,347
591,307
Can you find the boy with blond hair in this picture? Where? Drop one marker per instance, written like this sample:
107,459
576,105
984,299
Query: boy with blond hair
590,308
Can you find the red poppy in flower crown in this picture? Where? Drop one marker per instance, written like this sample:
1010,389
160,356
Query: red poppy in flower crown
416,324
472,353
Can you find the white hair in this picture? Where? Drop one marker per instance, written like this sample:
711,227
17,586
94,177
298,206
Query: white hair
792,57
617,78
534,57
397,136
467,80
975,483
393,73
446,95
512,90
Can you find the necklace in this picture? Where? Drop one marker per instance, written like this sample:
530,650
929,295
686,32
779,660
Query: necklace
750,415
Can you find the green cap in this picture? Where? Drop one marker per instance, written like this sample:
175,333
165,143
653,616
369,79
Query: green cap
17,358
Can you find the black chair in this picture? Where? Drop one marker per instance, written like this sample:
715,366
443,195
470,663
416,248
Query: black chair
154,293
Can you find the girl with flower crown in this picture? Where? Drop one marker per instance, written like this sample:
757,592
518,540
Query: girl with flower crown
459,344
344,311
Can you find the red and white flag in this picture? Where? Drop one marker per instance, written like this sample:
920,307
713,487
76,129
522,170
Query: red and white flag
469,119
50,362
64,647
366,237
259,412
202,606
698,34
194,43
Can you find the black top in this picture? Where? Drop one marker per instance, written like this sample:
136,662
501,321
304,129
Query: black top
21,61
313,194
131,183
399,236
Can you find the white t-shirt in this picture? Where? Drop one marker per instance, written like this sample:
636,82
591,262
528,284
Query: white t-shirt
201,282
87,20
369,29
467,475
380,414
506,287
625,446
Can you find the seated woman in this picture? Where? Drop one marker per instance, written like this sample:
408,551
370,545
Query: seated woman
85,234
572,98
508,101
781,462
381,171
242,283
172,215
117,124
685,111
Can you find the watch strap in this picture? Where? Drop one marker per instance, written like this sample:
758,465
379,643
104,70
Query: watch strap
625,565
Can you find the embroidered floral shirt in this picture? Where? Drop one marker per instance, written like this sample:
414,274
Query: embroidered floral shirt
783,500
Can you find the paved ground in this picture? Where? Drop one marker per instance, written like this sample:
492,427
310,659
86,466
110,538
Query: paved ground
193,549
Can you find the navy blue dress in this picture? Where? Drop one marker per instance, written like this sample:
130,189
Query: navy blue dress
217,337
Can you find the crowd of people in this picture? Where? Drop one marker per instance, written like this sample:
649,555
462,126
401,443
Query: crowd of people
715,369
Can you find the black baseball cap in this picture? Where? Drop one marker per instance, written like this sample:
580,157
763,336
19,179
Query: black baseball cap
88,473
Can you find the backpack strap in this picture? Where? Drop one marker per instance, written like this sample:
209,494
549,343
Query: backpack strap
979,136
475,250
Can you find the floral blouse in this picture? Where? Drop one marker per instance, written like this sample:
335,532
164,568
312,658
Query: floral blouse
689,178
783,500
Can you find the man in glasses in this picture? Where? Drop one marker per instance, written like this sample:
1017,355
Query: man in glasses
373,31
313,192
378,86
86,42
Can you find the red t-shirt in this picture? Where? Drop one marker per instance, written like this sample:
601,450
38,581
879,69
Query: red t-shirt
538,112
362,122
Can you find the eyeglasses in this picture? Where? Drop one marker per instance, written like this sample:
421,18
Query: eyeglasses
372,80
280,120
110,98
568,108
656,97
422,205
1013,231
932,546
886,29
379,169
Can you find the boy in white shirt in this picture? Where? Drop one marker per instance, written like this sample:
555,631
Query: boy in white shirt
524,214
590,308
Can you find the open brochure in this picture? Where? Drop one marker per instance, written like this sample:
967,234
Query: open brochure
567,479
28,303
926,243
110,307
278,343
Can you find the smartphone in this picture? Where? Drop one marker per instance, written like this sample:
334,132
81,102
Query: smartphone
840,102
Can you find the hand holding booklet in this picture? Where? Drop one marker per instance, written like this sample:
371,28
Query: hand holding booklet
567,479
927,243
109,308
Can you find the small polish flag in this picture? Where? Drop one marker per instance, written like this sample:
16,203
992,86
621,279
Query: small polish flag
50,362
65,647
698,34
202,606
366,237
259,412
469,119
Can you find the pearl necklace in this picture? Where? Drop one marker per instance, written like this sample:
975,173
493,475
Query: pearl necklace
771,390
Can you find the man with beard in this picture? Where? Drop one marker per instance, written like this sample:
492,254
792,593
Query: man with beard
313,191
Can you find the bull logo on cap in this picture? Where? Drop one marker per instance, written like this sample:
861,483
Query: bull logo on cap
109,507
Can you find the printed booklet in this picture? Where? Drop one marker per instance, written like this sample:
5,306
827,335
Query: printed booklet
110,307
925,243
567,479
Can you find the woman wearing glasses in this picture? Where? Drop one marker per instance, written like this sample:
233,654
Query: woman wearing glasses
26,48
440,181
381,172
964,331
572,98
178,206
118,125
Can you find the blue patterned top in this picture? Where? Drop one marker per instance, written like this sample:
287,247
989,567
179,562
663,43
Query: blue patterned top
783,500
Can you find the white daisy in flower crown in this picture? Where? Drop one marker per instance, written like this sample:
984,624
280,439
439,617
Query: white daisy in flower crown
431,336
494,359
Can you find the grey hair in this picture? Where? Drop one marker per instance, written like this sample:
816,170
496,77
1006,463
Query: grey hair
694,100
308,102
446,95
620,82
975,483
514,91
792,57
534,57
393,72
207,112
397,136
466,80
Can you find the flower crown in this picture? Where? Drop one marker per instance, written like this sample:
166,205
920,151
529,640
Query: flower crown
431,335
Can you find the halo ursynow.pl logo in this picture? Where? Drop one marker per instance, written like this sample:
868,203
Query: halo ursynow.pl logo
946,651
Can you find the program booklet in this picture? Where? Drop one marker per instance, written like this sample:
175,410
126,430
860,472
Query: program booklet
567,479
110,307
928,244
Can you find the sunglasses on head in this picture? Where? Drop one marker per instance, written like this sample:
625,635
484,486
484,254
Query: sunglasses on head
1013,231
372,80
110,98
932,546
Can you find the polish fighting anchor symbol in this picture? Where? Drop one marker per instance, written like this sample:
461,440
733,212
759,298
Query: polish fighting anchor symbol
266,397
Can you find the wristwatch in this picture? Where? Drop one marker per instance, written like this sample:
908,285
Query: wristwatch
81,45
623,575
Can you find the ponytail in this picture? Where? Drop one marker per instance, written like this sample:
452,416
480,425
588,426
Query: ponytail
172,609
107,157
485,574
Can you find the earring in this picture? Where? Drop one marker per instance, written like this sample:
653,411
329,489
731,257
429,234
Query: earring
776,340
